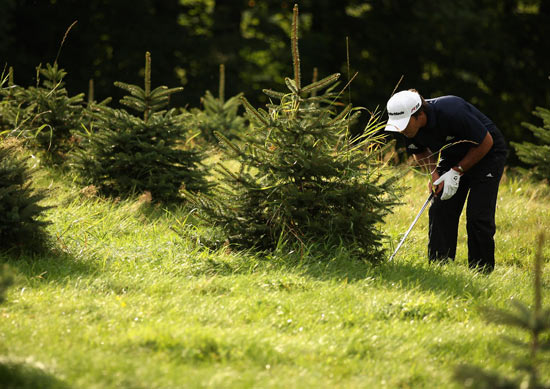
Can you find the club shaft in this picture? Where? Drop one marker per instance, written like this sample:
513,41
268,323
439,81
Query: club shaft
412,225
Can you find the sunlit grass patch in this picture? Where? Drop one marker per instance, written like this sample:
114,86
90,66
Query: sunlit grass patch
127,297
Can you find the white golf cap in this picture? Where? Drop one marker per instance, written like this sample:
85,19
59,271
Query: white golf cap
400,108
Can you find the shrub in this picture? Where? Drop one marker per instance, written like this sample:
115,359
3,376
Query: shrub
219,115
300,177
122,154
537,155
45,114
20,210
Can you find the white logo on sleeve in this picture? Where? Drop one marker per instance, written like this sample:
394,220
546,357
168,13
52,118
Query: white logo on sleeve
448,138
489,175
412,146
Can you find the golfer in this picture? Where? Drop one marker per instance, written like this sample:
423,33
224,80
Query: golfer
465,154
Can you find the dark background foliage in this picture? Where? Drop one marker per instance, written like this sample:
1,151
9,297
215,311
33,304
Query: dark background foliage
491,52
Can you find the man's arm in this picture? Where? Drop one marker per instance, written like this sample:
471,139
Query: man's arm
475,154
427,161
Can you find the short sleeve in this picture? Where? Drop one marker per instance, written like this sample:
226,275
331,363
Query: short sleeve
468,126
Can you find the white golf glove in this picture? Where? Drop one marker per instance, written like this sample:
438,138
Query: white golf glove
450,180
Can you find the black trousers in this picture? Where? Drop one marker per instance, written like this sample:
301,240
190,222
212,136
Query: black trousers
481,189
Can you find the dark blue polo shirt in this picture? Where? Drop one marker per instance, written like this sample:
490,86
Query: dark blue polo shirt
453,127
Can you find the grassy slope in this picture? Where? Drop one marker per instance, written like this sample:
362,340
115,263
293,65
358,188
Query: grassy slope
127,302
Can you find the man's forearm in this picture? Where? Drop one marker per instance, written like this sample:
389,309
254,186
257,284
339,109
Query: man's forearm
426,160
475,154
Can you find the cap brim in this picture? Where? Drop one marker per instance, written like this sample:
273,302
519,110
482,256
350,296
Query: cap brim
397,125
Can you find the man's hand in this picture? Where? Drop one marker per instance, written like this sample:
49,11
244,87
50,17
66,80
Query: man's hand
450,181
432,187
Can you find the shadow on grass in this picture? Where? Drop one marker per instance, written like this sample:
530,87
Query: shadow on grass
451,279
23,375
48,265
454,280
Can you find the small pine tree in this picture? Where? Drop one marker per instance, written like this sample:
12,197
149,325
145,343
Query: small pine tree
20,209
122,154
219,115
6,101
535,322
301,178
45,115
15,117
537,155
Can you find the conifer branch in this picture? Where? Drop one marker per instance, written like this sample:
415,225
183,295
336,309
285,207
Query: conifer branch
163,93
341,115
274,94
252,111
222,137
228,172
134,90
291,84
315,86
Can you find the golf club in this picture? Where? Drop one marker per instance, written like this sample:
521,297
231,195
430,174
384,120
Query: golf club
412,225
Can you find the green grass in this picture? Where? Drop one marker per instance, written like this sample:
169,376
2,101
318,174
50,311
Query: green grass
130,299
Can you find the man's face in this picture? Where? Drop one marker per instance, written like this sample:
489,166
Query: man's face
414,125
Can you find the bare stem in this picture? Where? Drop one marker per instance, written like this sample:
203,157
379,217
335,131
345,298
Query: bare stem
315,78
147,85
393,92
90,92
295,52
222,83
63,40
349,68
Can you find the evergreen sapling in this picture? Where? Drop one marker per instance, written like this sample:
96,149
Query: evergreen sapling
21,221
219,115
300,178
45,115
123,154
537,155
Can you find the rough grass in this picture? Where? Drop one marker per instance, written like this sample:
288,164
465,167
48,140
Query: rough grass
129,298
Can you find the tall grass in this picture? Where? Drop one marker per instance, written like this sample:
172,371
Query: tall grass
128,298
